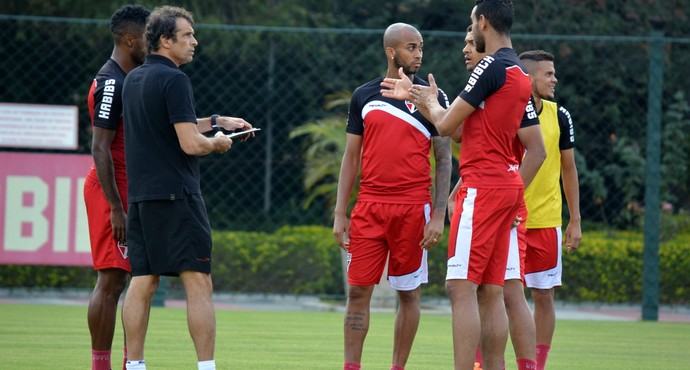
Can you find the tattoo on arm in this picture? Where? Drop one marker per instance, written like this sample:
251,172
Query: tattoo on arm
442,156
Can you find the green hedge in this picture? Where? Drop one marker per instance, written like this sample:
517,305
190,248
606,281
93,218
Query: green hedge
608,268
46,277
306,260
293,259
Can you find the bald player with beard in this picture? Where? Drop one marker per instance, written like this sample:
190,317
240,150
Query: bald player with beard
393,221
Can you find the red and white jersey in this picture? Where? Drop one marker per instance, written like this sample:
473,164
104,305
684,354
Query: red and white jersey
396,146
105,108
500,90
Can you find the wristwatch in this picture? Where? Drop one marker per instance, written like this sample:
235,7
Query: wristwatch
214,124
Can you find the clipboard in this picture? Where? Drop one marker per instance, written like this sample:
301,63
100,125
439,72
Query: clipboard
240,133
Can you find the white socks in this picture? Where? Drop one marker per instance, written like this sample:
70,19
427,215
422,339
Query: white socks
207,365
136,365
141,365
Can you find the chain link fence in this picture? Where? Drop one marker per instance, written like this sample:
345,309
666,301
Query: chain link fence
279,78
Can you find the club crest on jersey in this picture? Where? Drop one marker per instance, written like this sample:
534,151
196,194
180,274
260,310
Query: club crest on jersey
410,106
124,251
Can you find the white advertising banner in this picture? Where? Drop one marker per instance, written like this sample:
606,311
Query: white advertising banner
38,126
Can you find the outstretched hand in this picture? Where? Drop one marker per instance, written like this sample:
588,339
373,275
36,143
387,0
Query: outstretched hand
397,88
423,96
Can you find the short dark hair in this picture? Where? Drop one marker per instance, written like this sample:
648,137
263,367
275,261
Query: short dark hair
163,22
129,19
498,12
537,56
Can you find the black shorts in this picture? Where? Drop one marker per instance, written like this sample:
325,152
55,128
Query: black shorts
166,237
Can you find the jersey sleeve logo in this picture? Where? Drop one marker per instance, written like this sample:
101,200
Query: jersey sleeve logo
529,109
107,100
570,123
478,70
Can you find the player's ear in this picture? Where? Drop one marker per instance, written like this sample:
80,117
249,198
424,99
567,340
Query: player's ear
482,22
390,53
129,40
164,42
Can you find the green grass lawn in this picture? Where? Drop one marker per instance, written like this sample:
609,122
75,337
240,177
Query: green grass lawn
40,337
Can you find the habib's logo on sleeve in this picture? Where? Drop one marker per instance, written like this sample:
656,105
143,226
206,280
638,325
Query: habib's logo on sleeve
478,70
107,99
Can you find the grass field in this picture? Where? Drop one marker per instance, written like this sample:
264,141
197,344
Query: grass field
40,337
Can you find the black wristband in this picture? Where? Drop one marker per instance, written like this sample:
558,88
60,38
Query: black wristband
214,124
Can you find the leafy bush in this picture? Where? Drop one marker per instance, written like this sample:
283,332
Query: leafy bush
293,260
608,268
306,260
44,277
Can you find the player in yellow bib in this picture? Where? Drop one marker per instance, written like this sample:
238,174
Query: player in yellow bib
544,203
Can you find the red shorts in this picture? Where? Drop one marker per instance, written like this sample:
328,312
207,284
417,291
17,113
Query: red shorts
543,267
382,232
105,251
480,234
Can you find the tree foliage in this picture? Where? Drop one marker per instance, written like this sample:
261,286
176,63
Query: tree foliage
589,17
284,77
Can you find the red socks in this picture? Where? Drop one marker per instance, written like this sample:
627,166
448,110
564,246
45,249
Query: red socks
526,364
478,360
396,367
100,360
478,355
124,358
542,354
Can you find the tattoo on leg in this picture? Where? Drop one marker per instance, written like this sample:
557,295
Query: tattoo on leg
356,321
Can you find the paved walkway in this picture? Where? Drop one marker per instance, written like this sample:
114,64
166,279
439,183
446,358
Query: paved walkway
276,302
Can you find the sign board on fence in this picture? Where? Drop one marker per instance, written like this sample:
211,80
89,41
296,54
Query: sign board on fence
42,212
38,126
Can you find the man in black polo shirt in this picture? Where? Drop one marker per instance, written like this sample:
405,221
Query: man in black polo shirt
168,231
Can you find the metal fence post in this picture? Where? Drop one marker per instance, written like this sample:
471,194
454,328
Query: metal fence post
268,130
652,199
159,296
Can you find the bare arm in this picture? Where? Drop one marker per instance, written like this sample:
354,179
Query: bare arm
454,117
457,137
349,170
434,228
105,170
571,188
451,198
533,142
457,134
228,123
194,143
